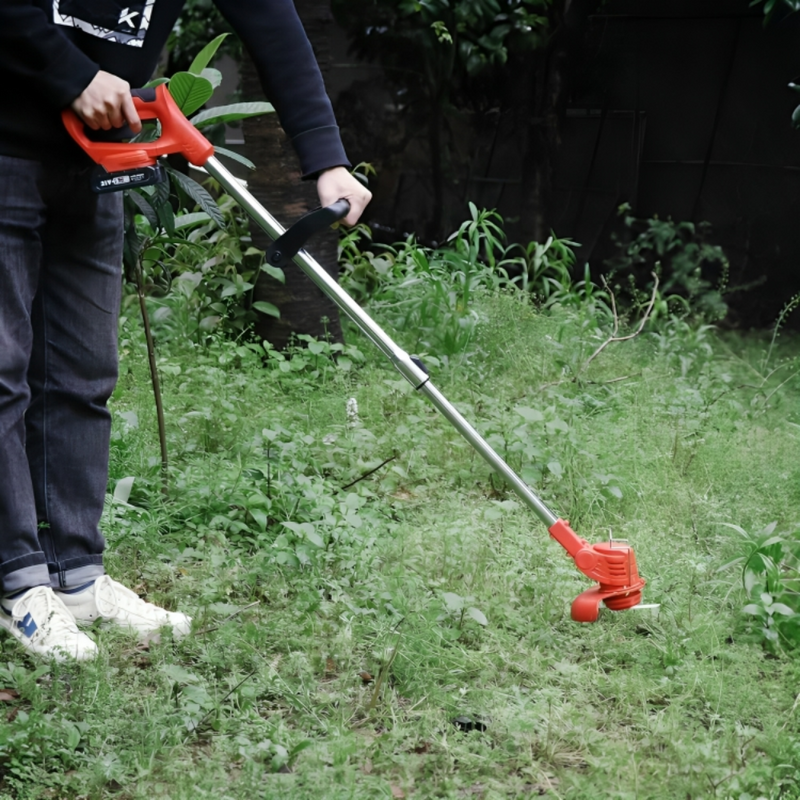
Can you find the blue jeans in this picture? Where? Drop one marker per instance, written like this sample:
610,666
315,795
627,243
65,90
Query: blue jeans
60,262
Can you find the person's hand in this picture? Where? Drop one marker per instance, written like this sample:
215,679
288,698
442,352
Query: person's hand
107,103
338,184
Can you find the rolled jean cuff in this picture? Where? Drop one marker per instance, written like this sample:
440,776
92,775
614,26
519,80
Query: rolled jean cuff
24,572
75,571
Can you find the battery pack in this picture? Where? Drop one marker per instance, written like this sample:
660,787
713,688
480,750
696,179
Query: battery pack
103,182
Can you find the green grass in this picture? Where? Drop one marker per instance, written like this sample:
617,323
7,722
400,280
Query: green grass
663,439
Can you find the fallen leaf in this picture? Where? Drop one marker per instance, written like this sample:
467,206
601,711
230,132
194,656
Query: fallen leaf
397,792
330,667
366,677
8,695
367,768
421,748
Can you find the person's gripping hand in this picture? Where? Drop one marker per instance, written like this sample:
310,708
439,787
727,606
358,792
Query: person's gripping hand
107,103
338,184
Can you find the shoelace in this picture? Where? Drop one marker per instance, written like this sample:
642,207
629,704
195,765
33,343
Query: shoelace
105,595
47,611
108,594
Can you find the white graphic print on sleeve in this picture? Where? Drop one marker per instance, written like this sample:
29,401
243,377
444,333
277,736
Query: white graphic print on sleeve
121,21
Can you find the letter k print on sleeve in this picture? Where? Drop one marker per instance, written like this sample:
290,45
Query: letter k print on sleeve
123,22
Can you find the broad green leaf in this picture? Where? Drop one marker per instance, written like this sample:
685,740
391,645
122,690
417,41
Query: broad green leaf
267,308
213,76
741,531
199,195
771,541
223,151
190,91
781,608
296,527
556,468
453,601
258,515
73,737
155,82
557,425
530,473
287,559
315,538
144,207
753,608
274,272
769,528
178,674
190,220
729,564
166,216
529,414
478,616
203,58
298,748
230,113
122,491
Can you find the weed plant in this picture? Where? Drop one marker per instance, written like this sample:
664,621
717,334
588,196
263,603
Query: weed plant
376,615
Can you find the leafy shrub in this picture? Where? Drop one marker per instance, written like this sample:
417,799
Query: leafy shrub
199,21
431,292
693,274
771,580
202,277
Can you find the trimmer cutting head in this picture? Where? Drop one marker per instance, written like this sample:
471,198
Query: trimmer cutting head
612,564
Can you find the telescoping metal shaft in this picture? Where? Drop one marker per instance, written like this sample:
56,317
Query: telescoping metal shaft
404,363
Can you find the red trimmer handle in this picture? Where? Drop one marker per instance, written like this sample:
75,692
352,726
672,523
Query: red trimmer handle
178,135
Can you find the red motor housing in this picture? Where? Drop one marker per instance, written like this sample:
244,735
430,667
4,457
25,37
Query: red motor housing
612,564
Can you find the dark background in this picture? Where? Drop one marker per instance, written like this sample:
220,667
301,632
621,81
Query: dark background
678,107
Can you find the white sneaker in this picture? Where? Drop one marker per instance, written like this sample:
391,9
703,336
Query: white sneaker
43,624
108,600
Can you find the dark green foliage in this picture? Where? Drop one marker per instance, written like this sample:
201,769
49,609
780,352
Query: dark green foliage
693,273
159,204
432,291
199,22
773,7
423,44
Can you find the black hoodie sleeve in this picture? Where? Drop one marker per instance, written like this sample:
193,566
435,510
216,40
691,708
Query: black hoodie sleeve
34,52
290,76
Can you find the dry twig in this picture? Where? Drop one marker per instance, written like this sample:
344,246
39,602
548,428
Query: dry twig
614,337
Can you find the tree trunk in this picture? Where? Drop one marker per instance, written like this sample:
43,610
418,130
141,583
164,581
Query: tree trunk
276,184
543,88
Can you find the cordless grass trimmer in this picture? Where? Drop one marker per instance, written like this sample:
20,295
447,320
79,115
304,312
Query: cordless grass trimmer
128,164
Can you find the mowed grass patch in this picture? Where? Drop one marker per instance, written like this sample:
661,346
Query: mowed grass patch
408,632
